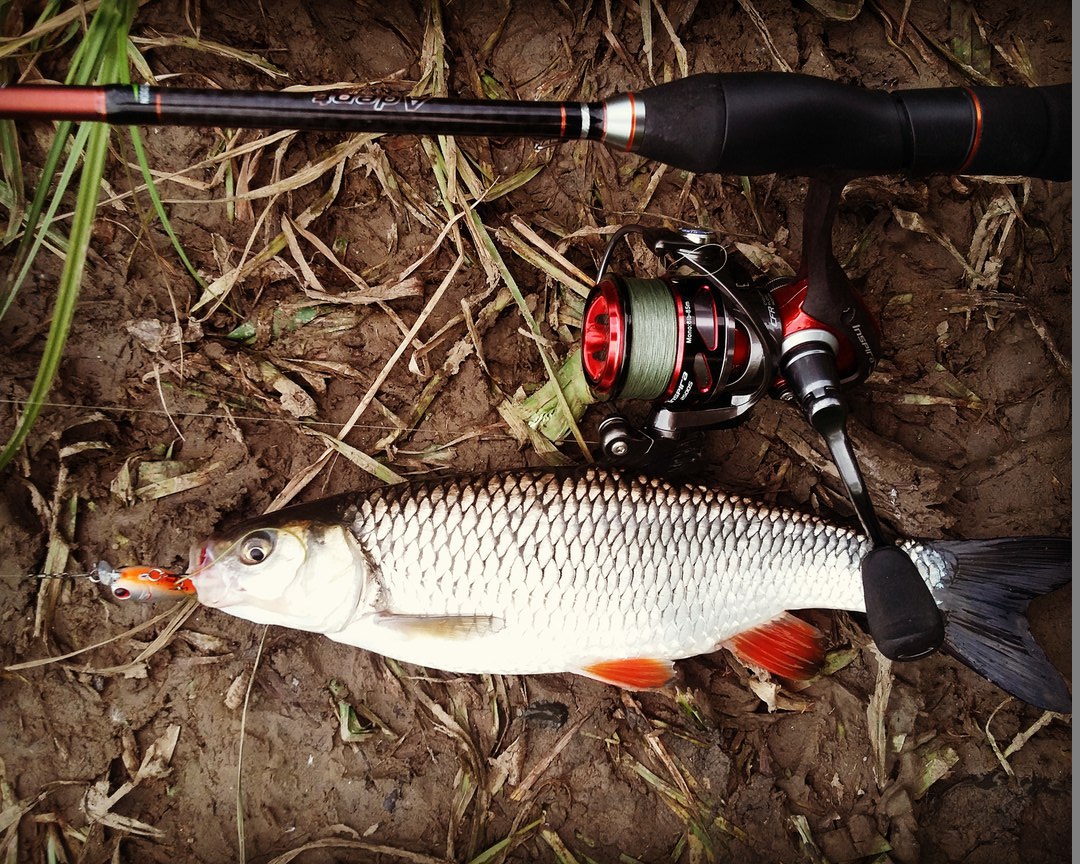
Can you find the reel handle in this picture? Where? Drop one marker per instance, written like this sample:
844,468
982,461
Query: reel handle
903,616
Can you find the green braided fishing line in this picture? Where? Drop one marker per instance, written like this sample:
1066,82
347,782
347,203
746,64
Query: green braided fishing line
653,343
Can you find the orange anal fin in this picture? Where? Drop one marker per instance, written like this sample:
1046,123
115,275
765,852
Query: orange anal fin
786,646
633,673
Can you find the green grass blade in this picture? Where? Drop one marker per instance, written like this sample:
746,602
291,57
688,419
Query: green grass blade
10,158
85,64
127,52
87,59
101,56
136,59
34,233
48,22
13,177
70,280
159,207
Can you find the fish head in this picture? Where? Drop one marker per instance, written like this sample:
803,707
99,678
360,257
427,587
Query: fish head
299,573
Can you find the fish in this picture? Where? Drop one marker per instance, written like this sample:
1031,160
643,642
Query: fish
608,575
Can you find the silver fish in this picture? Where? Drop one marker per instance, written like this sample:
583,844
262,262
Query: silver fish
607,575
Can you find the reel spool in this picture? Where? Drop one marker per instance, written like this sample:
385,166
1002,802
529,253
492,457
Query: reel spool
705,342
672,340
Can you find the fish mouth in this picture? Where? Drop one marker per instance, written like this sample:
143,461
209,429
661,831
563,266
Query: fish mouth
211,578
199,558
200,563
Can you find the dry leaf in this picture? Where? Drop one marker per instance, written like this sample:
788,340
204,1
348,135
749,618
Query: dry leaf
294,398
234,696
98,803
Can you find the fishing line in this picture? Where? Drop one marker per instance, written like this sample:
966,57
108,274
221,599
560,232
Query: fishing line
205,414
107,575
209,415
651,359
749,319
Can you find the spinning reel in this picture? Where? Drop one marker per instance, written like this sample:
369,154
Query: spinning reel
707,341
703,345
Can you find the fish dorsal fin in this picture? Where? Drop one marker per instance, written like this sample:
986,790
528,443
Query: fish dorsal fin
786,646
633,673
441,626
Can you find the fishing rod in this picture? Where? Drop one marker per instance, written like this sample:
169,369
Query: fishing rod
710,338
734,123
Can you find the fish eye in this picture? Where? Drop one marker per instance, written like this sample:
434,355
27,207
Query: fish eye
256,547
121,593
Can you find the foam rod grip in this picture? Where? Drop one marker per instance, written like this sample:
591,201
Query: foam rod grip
766,122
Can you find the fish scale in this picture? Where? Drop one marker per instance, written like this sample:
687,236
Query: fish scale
605,574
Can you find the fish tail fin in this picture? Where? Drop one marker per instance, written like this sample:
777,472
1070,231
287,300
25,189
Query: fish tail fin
985,600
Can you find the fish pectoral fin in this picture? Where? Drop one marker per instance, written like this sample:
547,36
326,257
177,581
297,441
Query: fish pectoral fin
441,626
786,646
633,673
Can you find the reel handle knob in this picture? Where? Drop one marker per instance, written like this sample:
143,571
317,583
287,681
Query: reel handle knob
904,619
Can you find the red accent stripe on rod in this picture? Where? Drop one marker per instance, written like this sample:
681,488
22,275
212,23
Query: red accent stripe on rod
633,122
977,138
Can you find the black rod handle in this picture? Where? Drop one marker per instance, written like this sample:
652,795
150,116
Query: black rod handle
765,122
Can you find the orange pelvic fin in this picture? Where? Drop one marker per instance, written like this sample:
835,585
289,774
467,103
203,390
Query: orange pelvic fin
786,646
633,673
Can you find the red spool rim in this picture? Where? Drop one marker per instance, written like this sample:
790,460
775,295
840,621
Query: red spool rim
680,347
740,355
603,336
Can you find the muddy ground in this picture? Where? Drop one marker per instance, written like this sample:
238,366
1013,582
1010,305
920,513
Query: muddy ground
965,429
